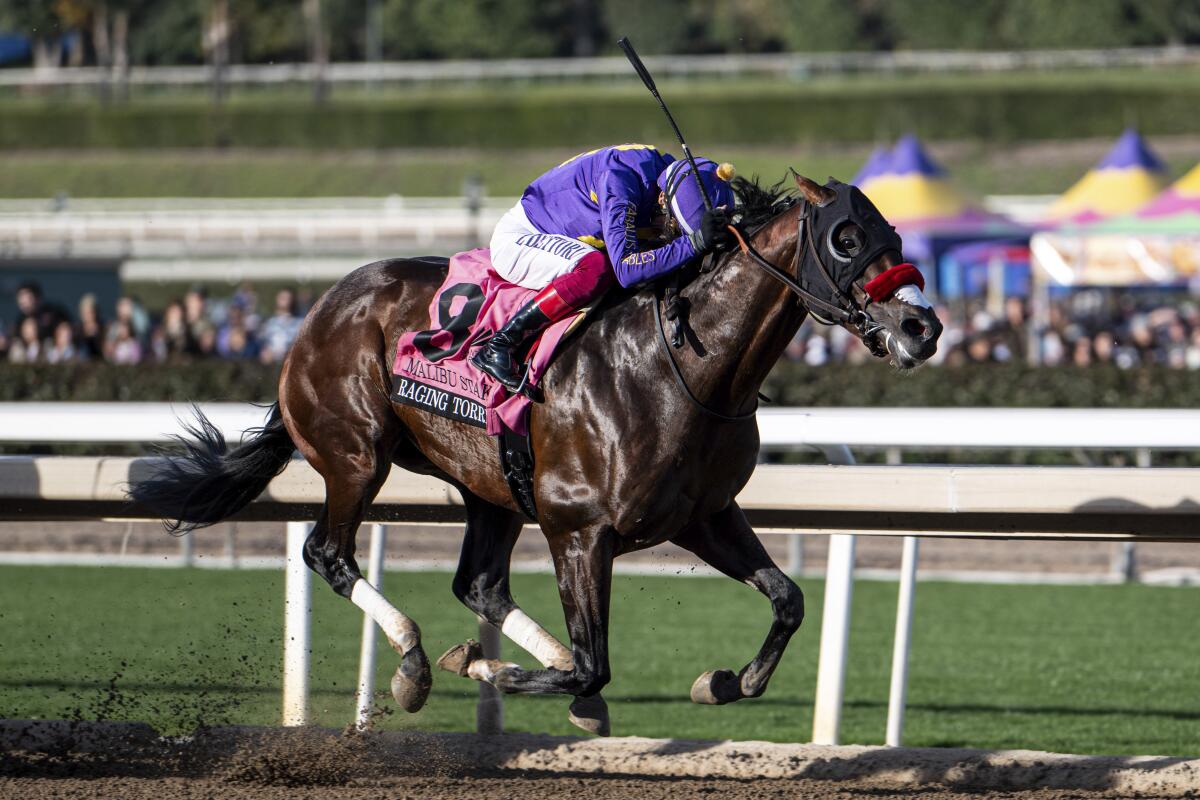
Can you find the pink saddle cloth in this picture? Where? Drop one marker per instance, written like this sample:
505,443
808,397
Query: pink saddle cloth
432,371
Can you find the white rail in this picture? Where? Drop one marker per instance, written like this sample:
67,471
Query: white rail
148,230
1011,502
779,428
780,65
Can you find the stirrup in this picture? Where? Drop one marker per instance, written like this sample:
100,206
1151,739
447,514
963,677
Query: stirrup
528,389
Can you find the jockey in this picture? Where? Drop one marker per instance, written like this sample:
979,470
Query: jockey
576,228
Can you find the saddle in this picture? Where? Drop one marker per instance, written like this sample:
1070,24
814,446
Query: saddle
432,370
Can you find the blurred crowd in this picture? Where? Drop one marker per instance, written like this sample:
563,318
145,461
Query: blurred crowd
1082,329
192,327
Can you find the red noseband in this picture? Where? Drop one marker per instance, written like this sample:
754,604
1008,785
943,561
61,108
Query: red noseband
882,286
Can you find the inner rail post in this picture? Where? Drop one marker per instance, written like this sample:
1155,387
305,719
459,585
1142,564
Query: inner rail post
297,626
835,625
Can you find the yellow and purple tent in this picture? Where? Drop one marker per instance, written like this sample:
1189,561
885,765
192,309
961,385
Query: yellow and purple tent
1179,205
1127,178
1159,245
931,214
913,190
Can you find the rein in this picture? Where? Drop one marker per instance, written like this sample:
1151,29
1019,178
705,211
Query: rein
682,381
855,315
868,329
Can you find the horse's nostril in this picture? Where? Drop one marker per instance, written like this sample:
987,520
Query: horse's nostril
914,327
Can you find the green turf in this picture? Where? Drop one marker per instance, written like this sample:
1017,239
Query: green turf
421,173
1079,669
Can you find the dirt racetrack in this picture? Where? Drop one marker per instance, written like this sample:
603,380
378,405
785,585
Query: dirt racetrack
58,759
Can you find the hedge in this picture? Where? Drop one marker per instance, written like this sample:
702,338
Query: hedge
791,115
244,381
789,385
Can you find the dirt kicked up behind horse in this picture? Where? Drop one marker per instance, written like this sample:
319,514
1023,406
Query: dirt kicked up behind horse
635,444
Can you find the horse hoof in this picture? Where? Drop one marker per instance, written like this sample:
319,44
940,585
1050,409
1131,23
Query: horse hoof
412,681
716,688
459,657
590,714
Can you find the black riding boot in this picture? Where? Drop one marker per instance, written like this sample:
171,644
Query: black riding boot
498,357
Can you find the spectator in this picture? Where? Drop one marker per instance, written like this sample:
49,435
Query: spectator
280,330
62,348
233,339
246,298
27,348
195,307
1104,347
207,343
1193,351
90,336
177,341
33,306
1081,352
124,347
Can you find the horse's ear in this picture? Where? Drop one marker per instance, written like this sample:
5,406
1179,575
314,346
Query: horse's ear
813,192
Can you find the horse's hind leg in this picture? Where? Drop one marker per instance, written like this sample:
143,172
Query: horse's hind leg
349,444
482,585
329,551
728,543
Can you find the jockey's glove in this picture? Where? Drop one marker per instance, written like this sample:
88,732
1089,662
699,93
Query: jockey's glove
713,232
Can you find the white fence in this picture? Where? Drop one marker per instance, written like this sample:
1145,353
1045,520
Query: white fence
148,230
792,66
1005,502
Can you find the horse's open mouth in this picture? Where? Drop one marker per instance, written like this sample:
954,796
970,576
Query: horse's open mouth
901,358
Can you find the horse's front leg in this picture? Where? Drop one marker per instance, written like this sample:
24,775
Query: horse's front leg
728,543
583,566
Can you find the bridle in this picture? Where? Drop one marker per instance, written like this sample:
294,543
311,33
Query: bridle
845,309
840,308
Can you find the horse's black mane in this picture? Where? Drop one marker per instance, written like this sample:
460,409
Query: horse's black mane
757,203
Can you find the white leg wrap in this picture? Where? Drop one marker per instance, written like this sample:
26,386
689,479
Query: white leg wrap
530,636
484,669
400,630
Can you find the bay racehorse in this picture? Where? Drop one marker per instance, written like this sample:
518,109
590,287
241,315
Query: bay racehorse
635,444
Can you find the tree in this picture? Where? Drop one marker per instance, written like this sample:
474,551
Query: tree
169,33
1066,23
755,26
664,26
474,28
1172,22
946,24
38,20
824,25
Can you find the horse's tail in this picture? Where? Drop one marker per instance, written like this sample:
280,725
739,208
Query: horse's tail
208,483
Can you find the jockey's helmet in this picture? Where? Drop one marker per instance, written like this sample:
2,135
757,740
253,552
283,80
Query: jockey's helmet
683,196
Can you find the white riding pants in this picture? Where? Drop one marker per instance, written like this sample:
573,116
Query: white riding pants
523,255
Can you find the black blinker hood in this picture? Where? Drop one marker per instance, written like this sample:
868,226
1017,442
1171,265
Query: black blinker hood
848,205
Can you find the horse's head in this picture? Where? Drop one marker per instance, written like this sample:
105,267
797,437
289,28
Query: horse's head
851,269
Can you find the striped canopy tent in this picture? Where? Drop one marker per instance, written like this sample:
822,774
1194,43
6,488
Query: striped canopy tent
1157,246
1175,211
930,212
913,191
1126,179
1178,208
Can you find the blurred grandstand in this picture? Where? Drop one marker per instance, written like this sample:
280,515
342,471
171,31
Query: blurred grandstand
99,262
